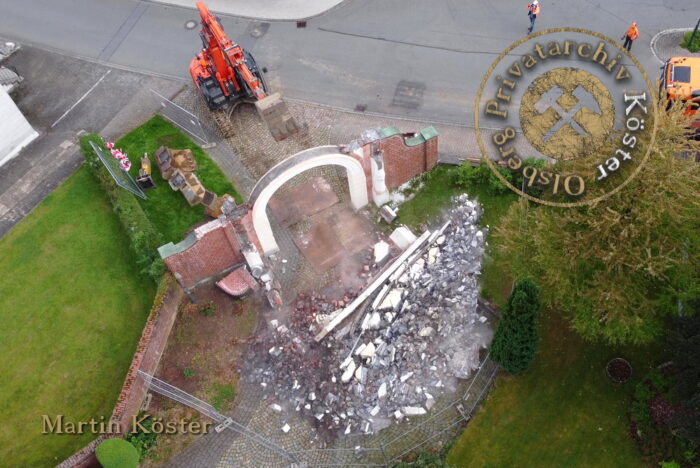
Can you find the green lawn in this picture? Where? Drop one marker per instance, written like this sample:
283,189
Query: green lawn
72,307
436,193
168,210
562,412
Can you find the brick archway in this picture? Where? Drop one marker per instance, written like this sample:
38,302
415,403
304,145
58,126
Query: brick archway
295,165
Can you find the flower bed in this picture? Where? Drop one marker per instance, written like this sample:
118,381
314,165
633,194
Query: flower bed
619,370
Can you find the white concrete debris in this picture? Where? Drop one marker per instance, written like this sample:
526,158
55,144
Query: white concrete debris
392,300
413,410
381,252
349,371
368,350
421,330
275,407
482,319
402,237
429,401
285,428
433,254
381,393
361,374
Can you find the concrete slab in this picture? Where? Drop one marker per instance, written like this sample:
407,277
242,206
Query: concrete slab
302,201
335,233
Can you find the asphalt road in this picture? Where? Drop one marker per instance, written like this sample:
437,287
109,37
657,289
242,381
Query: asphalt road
354,55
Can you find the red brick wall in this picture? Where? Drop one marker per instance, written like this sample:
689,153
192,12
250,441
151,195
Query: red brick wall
213,252
402,163
247,223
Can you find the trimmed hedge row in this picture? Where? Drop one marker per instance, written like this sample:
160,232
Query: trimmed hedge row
143,235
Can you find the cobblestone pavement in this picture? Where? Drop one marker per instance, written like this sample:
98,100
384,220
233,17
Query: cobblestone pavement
250,142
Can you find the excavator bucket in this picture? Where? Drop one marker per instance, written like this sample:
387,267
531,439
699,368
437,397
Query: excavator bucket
274,112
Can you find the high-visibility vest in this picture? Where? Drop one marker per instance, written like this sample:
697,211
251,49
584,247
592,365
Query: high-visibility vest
534,9
633,32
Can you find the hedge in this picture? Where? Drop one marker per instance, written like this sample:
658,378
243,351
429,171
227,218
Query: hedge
143,235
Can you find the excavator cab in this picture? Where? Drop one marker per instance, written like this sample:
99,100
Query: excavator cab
680,80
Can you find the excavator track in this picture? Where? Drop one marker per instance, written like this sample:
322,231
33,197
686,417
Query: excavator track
223,123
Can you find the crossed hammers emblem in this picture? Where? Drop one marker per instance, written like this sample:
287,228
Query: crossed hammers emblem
549,100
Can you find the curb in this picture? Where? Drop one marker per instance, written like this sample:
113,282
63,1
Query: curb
656,37
246,17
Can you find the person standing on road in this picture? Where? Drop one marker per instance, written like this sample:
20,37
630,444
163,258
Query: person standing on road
629,37
533,10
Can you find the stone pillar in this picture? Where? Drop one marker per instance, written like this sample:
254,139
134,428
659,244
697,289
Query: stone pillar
380,194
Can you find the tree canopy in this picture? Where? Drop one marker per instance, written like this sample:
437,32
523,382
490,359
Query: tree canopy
620,266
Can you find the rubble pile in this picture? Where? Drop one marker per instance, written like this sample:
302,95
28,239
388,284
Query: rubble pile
406,345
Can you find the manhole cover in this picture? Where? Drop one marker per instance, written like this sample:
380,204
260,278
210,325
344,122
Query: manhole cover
258,29
408,94
191,24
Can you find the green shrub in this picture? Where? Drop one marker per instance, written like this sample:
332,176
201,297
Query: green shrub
117,453
685,42
143,441
517,337
188,373
207,309
640,404
661,381
142,234
223,394
466,176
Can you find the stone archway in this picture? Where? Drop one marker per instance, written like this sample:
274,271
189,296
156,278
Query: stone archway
295,165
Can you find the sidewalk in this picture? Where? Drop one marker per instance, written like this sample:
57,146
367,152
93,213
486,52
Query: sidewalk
276,10
665,44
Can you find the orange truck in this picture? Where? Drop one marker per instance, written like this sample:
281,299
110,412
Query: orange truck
680,80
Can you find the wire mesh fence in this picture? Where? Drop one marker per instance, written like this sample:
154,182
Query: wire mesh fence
183,119
120,176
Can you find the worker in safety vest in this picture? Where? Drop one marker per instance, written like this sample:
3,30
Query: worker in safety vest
631,34
533,10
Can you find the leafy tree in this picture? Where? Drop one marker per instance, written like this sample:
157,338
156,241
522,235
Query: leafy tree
117,453
516,338
620,266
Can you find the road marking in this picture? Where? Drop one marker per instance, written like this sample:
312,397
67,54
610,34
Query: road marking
81,98
656,37
122,33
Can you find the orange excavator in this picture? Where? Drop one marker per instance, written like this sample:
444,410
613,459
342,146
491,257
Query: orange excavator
227,75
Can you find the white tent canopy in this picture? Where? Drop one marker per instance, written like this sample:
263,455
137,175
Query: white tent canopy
15,131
